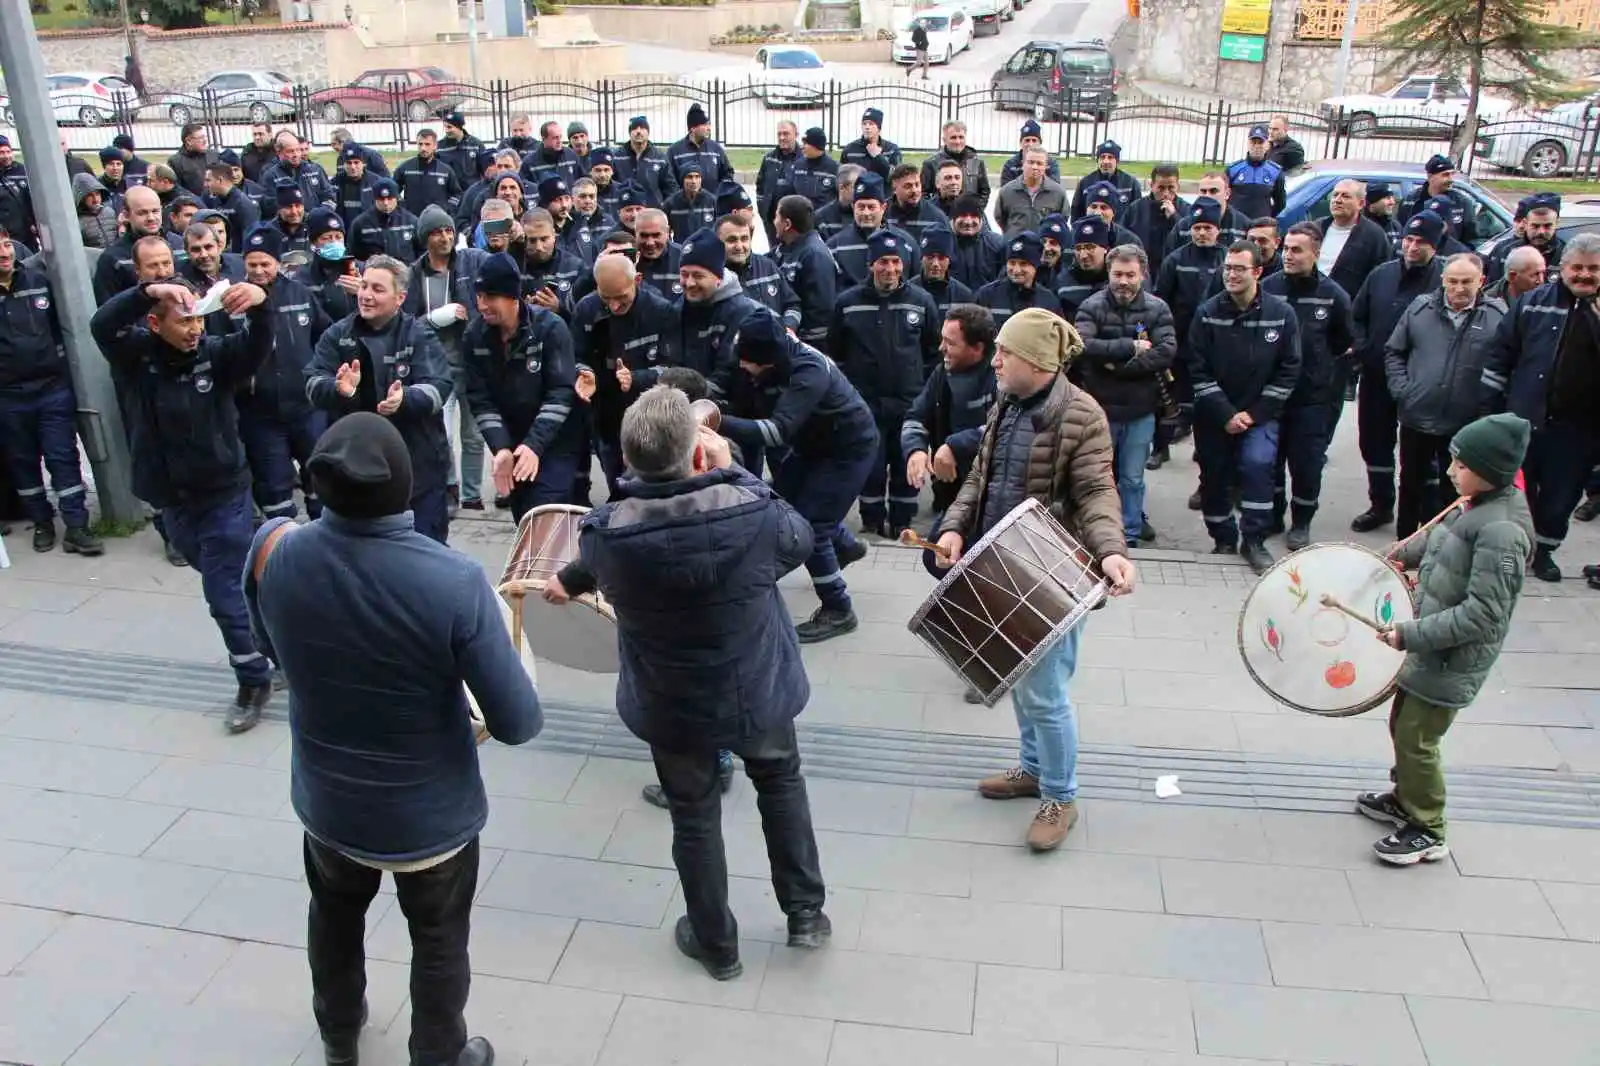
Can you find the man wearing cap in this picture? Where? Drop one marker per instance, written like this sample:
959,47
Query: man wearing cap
552,159
330,272
1443,207
1048,441
289,217
555,197
206,264
386,228
519,377
808,265
425,180
886,334
187,457
773,179
1463,214
934,278
831,218
870,151
1255,181
1108,168
1030,137
733,199
645,166
815,173
252,190
352,185
979,256
1101,200
1233,226
698,147
113,268
1383,209
849,245
1056,240
1283,149
602,171
372,161
1352,245
578,143
16,202
1305,429
1086,274
228,200
550,273
133,166
277,423
1153,217
1029,198
1244,361
974,171
690,209
1186,277
1018,289
1543,367
941,432
1376,310
1540,213
113,175
459,149
710,311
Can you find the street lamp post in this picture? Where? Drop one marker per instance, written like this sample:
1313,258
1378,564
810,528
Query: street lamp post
1346,44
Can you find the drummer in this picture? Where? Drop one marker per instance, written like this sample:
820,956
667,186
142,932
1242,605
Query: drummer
1044,432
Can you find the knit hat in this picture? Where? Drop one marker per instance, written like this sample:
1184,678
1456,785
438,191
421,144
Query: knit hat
1053,227
881,243
1111,148
1030,128
874,116
453,118
361,467
637,121
1205,209
759,338
123,141
289,193
324,220
1539,201
937,240
690,168
703,250
1378,190
1101,192
1026,246
731,196
870,187
499,276
107,155
433,218
600,157
697,116
1091,230
1427,226
352,151
816,137
486,159
552,189
227,155
1439,164
575,128
1493,447
1445,208
630,197
1040,338
384,187
5,142
268,239
965,205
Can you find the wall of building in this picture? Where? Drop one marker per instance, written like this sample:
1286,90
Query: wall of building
182,59
514,59
682,27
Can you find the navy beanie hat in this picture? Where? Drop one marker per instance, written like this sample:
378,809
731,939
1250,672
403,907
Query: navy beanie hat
1027,246
704,250
499,276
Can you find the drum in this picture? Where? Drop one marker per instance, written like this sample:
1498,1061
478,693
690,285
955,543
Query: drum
1007,601
1315,657
583,633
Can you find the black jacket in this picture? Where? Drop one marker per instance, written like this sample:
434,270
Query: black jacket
190,167
974,172
952,409
1366,250
649,172
979,259
916,219
311,178
1526,361
774,181
1287,153
231,269
521,392
641,339
394,234
1074,285
710,156
240,212
1123,381
830,219
1380,302
1151,226
1323,312
1495,264
849,248
945,293
183,423
16,203
764,283
31,355
706,331
804,403
686,218
1235,227
1463,218
1004,298
561,273
884,340
809,268
1184,282
1245,360
461,156
423,185
353,198
882,164
113,268
540,164
321,278
661,274
278,389
1128,191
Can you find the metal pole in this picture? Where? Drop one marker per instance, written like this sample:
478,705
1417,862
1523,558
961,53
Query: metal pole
472,40
99,418
1346,42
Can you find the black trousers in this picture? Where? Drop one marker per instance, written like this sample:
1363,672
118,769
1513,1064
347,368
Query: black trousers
437,903
1377,426
689,782
1424,462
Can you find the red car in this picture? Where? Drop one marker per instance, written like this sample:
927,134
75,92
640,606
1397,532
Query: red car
421,91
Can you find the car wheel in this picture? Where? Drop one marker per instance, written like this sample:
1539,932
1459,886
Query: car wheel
418,111
332,112
260,114
1363,125
90,117
1544,160
180,114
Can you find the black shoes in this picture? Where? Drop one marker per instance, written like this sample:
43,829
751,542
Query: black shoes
1298,537
174,556
342,1050
656,798
245,711
973,696
720,968
824,625
1257,555
1158,459
1544,566
809,929
79,541
1220,548
1588,509
856,552
44,536
1147,534
1194,500
1381,807
1371,519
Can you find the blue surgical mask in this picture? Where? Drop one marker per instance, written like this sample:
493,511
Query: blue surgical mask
332,250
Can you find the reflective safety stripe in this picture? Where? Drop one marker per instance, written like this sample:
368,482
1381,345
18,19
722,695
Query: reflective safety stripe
73,490
1302,501
1215,519
1246,323
1255,505
1547,542
1379,469
769,432
432,394
871,499
834,578
240,660
31,492
284,508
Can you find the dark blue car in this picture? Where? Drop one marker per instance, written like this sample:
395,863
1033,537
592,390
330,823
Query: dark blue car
1308,188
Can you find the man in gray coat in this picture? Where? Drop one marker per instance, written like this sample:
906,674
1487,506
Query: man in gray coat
1024,202
1434,360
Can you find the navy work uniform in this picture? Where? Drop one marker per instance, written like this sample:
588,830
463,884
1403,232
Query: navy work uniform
1255,189
238,210
951,409
393,233
888,155
561,274
427,183
1004,297
809,268
646,171
774,181
686,217
1183,282
640,339
764,283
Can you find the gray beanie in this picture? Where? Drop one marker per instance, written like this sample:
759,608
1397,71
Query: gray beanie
433,217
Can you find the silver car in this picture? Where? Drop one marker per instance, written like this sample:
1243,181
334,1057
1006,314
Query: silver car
1541,144
255,96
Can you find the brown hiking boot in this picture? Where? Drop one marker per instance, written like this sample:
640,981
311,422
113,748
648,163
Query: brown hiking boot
1015,783
1051,824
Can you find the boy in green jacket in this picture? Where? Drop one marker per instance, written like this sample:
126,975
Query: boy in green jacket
1471,571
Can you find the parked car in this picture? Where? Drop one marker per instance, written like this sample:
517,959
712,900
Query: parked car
1308,188
988,14
1577,216
949,31
1540,144
788,76
1052,78
85,97
236,95
420,91
1420,102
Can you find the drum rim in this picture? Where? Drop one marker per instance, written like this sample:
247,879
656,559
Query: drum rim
1238,636
548,508
597,605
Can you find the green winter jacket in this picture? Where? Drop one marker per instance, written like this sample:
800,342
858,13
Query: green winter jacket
1472,566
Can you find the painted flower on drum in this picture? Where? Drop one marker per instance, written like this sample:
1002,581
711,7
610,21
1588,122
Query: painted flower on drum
1273,639
1383,610
1297,588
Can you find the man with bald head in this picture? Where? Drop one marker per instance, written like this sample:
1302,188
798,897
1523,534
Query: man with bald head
1353,245
621,336
1523,270
113,271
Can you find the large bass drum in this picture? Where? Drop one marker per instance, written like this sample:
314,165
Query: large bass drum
581,635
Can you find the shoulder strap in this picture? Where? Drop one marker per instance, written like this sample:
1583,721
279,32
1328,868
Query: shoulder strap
259,566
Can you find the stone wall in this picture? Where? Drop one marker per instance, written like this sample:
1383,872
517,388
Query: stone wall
683,27
513,59
182,59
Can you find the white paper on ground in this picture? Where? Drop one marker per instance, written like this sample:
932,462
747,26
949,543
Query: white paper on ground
211,301
1167,786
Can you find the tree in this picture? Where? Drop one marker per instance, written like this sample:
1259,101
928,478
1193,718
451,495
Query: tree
167,14
1501,44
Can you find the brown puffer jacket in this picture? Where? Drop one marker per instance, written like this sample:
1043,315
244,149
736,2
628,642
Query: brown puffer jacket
1069,471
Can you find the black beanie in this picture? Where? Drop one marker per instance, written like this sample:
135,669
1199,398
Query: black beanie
361,468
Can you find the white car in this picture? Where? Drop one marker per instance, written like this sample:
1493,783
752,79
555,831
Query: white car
949,31
1428,103
1541,144
88,97
988,14
789,76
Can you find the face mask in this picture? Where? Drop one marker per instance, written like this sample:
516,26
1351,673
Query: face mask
333,251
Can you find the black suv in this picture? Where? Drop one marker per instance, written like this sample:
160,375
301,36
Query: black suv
1053,78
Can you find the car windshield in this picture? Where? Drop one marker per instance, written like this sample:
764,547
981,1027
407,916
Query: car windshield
438,74
936,23
794,61
278,79
1088,61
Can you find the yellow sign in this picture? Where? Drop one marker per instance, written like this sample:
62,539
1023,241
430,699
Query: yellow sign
1246,16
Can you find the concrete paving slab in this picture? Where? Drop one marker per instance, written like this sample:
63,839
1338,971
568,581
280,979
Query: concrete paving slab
855,986
1126,1012
1303,1025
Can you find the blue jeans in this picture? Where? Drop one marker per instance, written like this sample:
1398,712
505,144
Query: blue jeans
1046,721
215,539
1132,441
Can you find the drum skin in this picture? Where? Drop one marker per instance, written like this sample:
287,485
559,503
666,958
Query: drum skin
582,634
1316,658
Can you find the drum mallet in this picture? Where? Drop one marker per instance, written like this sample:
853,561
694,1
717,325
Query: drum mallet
1423,529
909,539
1329,600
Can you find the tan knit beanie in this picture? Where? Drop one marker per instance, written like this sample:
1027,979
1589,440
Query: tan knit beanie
1040,338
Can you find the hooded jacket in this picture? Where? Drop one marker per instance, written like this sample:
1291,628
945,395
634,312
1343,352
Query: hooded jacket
99,227
706,330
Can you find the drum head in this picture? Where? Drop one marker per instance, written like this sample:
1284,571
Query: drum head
581,635
1316,658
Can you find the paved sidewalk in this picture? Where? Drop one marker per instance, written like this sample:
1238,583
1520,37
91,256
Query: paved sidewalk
152,905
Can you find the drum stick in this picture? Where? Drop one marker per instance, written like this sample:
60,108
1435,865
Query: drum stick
909,539
1330,601
1422,530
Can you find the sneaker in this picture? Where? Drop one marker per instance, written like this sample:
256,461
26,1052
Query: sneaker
809,929
1298,537
854,553
1258,555
825,624
44,536
1015,783
1409,846
79,541
1544,565
1592,571
1381,807
1147,534
245,711
1051,824
1194,500
722,969
1371,519
174,556
1588,509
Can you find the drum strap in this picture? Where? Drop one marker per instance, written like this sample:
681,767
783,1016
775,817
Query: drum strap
259,566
